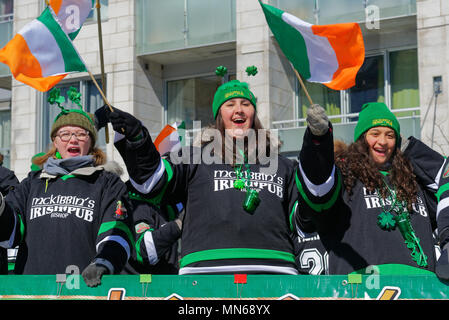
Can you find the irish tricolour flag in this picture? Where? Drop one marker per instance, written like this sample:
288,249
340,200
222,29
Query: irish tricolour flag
41,54
328,54
71,14
169,139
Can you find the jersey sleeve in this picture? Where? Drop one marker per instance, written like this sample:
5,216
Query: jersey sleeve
318,181
12,227
442,214
153,175
115,238
154,236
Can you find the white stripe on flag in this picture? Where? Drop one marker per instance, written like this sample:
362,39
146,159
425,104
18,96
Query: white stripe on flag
322,59
39,39
72,14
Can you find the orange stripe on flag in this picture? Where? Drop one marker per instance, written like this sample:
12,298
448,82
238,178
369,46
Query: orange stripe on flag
56,5
347,41
24,66
168,130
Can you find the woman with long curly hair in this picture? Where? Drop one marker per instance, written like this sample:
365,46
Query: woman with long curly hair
365,202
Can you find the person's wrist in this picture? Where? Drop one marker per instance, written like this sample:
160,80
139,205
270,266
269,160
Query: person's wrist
137,137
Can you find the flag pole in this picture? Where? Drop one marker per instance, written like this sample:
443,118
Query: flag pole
303,86
100,90
103,80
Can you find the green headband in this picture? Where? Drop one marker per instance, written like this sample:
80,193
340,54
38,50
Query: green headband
232,89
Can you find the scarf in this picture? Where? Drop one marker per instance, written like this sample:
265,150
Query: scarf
66,166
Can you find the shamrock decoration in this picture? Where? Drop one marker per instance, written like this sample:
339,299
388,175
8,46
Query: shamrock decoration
74,96
251,70
54,97
221,71
239,184
386,221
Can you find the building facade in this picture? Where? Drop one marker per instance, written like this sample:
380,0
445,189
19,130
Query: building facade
160,59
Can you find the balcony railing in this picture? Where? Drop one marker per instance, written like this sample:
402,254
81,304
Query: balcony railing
291,132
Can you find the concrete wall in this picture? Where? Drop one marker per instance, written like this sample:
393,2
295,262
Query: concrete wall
433,57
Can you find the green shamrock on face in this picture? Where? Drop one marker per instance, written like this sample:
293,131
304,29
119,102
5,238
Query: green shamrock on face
386,221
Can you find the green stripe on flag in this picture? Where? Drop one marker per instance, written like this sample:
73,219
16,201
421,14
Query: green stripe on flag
72,60
289,39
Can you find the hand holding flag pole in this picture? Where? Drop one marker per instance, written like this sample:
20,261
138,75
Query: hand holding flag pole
328,54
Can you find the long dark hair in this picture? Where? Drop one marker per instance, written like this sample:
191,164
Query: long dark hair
270,143
355,164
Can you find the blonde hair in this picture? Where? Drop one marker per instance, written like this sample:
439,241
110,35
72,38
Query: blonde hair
97,153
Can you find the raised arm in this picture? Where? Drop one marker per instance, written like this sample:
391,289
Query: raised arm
317,178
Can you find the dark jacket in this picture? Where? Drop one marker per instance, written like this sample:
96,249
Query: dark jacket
67,221
218,235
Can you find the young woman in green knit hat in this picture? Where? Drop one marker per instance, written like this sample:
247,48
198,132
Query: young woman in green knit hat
71,216
365,203
237,215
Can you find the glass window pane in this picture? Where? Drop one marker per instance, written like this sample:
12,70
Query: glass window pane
155,31
103,11
404,79
94,101
6,8
301,9
205,27
394,8
369,86
327,98
5,136
191,100
331,11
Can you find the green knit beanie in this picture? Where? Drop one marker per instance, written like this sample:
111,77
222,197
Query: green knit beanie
75,117
376,114
230,90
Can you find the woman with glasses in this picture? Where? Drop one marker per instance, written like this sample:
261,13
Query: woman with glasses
72,214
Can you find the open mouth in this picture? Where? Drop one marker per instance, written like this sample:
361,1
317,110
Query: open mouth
239,121
74,151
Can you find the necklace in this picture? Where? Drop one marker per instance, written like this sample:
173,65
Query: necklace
252,199
387,221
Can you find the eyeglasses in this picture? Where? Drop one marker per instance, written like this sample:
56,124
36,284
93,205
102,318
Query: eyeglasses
65,136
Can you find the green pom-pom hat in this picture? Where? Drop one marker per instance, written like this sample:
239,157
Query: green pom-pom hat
376,114
230,90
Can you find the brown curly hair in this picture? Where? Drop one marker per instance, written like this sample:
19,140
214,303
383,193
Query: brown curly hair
355,164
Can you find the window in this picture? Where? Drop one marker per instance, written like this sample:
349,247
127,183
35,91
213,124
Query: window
91,100
104,4
191,99
5,126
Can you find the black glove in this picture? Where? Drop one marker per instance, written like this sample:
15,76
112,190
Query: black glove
122,122
125,123
93,273
317,120
442,265
102,117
